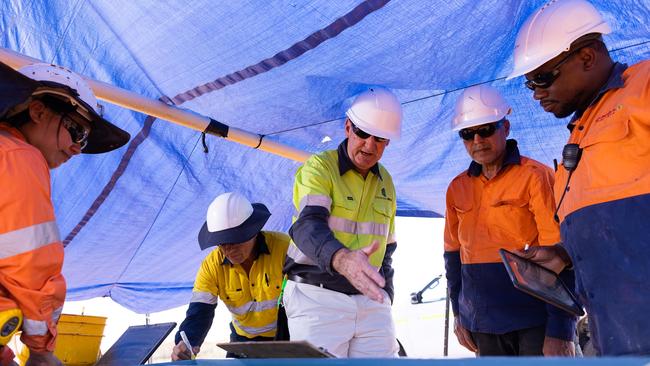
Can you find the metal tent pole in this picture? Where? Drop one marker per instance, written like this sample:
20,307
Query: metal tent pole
158,109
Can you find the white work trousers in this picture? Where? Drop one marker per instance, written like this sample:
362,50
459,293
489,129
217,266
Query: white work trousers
344,325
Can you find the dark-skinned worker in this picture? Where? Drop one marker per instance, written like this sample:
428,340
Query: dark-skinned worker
48,114
503,200
244,271
340,286
602,186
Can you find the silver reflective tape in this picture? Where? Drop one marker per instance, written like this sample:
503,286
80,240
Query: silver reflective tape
27,239
297,256
319,200
358,228
204,297
253,307
56,314
34,327
256,330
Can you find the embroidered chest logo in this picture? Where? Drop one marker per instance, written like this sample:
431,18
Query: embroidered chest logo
609,113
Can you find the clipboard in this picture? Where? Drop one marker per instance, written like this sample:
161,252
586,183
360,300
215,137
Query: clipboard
276,349
540,282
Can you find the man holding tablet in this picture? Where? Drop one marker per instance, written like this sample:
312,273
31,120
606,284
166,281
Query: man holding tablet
503,200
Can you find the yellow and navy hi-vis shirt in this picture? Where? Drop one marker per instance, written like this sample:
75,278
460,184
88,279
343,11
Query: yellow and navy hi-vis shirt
484,215
251,297
606,209
336,207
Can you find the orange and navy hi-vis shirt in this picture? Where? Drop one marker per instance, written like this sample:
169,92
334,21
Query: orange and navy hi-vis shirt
508,211
605,213
31,253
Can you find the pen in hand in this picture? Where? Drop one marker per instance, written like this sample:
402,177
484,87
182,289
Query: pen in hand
187,343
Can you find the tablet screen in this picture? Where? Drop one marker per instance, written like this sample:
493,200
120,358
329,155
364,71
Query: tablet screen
540,282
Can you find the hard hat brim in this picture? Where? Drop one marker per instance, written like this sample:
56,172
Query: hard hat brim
16,89
238,234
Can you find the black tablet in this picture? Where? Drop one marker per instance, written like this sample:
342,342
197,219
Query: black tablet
136,345
540,282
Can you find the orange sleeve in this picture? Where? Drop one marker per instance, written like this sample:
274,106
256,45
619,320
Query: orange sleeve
31,253
542,205
451,224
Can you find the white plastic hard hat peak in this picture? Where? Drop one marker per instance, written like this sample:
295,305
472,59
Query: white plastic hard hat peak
61,75
232,219
227,211
478,105
377,112
63,83
550,31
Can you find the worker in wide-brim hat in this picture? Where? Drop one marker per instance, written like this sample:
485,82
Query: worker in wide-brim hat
48,115
244,271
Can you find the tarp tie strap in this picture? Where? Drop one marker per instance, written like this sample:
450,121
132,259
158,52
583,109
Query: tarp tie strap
214,128
259,143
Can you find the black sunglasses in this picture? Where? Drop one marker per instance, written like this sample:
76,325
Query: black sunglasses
546,79
483,131
78,132
364,135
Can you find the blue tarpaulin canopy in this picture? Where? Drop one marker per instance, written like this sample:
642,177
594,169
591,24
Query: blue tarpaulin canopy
284,69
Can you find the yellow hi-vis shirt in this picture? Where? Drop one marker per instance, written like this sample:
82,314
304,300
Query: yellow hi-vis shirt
361,210
251,297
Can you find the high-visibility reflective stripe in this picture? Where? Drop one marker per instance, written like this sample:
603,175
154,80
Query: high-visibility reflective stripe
391,238
299,257
56,314
315,200
27,239
204,297
353,227
34,327
256,330
254,307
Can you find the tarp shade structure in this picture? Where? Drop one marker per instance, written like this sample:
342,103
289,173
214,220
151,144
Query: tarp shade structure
287,70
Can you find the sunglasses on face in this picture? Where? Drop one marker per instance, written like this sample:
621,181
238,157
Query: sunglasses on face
78,132
546,79
364,135
483,131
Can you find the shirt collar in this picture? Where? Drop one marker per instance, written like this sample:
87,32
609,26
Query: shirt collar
260,248
346,164
512,158
615,81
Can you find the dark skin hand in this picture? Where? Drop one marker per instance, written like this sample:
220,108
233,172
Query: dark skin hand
552,257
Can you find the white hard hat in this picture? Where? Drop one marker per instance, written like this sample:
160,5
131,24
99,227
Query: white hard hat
61,82
231,218
478,105
550,31
377,112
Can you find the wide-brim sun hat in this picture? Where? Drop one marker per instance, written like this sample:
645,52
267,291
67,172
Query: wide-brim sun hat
18,88
232,219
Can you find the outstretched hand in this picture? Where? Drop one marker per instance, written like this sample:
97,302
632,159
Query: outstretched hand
355,266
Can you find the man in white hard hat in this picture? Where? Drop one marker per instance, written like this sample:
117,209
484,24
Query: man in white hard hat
244,271
340,286
603,185
503,200
48,114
